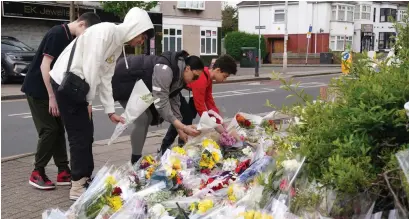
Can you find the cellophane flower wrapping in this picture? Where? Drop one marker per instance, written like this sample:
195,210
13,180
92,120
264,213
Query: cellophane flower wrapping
141,100
403,159
111,186
53,214
134,208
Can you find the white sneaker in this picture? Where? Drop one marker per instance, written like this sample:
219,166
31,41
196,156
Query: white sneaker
78,188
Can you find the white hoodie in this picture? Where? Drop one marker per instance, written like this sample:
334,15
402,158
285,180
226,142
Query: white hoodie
96,53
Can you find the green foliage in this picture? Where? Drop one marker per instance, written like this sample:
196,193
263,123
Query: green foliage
120,8
402,39
350,142
235,40
230,20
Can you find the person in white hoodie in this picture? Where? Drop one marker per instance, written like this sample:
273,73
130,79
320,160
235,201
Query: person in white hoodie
94,60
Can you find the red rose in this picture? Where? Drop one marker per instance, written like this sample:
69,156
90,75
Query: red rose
117,191
247,123
205,171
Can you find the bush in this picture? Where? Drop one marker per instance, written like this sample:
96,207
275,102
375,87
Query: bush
235,40
350,143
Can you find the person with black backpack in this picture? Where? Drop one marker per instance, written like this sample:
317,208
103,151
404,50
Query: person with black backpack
165,76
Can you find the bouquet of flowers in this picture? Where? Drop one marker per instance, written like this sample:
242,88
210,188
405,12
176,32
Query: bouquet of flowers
211,155
110,197
243,122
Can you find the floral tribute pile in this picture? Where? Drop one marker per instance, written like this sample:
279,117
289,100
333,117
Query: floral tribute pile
249,172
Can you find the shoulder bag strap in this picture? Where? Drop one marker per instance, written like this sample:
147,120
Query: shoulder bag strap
71,55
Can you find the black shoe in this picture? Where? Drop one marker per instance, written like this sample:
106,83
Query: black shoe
135,158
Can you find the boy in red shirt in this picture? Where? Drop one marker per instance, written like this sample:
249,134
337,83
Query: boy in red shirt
202,100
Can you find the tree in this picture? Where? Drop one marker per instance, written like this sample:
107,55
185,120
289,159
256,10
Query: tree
120,8
230,21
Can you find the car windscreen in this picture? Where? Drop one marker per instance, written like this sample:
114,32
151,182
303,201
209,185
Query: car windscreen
14,45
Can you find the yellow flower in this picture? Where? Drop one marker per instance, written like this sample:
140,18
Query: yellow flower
115,202
192,207
110,180
149,159
211,164
173,174
207,142
255,215
203,164
176,164
215,156
204,206
230,194
179,150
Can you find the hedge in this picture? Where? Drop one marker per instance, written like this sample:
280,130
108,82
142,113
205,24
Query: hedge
235,40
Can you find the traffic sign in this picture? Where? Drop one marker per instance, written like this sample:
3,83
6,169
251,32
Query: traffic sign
260,27
310,29
309,35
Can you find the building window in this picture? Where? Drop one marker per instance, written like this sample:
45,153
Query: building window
208,41
279,15
362,12
340,43
386,40
374,14
192,5
357,11
386,13
342,13
401,15
365,12
172,39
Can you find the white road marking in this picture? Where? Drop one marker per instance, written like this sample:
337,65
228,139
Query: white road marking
19,114
221,94
310,84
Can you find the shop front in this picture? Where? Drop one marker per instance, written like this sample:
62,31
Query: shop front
29,21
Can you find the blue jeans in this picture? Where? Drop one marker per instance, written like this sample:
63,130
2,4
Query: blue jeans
188,112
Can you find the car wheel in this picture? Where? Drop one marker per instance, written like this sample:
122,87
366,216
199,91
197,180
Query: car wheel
4,76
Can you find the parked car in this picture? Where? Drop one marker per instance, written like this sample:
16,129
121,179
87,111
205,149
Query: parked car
15,59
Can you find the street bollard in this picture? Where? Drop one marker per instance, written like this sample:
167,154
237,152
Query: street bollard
257,66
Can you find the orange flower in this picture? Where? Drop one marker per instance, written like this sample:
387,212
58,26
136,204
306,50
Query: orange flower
240,118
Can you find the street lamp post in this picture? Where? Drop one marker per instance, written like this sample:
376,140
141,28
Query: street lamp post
259,41
285,38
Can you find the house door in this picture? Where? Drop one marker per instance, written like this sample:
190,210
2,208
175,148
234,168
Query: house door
278,46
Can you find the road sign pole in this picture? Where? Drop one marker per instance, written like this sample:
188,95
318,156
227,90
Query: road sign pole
308,43
256,74
285,38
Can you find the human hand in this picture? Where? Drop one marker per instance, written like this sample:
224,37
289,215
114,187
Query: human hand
90,111
116,119
182,135
191,130
53,107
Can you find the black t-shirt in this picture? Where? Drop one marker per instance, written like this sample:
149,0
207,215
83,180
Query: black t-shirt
53,43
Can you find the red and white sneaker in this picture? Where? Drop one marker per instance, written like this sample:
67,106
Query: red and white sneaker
40,181
64,178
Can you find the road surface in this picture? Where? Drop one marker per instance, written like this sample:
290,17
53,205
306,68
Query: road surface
19,135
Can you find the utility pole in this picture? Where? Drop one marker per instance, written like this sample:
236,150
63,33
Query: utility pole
259,40
285,38
72,11
316,29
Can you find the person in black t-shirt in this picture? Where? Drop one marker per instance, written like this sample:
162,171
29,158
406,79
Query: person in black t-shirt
43,105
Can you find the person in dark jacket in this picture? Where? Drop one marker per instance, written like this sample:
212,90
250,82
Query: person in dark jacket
165,76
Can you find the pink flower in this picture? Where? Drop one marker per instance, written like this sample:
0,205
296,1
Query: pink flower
292,192
283,184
